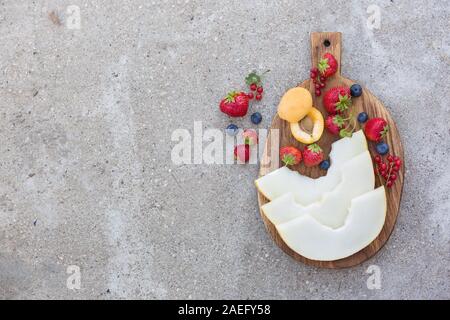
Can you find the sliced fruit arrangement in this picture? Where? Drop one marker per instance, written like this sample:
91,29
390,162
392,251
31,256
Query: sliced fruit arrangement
331,217
304,136
284,180
313,240
296,105
357,178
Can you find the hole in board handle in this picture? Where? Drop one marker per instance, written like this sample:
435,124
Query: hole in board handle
326,43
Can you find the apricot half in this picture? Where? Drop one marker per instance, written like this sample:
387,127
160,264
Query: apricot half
295,104
302,135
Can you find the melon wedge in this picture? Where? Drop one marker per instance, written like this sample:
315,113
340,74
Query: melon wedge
284,180
357,179
312,240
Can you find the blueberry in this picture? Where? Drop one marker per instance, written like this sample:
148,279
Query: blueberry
355,90
325,164
256,118
362,117
232,129
382,148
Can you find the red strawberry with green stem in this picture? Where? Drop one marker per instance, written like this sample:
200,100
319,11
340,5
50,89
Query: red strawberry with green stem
235,104
242,152
337,100
334,123
312,155
376,129
290,155
328,65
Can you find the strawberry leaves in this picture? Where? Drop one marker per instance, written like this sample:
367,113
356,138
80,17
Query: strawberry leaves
255,78
288,159
315,148
338,120
323,65
384,132
231,96
344,102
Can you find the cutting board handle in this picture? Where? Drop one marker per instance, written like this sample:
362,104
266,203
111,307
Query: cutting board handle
322,42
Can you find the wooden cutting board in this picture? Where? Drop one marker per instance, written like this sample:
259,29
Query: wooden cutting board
322,42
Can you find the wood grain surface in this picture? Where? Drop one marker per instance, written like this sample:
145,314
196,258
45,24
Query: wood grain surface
320,43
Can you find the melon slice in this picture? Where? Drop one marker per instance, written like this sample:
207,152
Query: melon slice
357,178
312,240
284,180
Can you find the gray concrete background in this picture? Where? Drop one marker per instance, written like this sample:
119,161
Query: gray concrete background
86,118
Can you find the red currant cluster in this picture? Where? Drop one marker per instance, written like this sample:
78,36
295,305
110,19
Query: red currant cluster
318,80
388,170
254,81
259,91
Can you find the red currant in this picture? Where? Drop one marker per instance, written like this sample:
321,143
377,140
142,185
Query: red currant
389,184
258,96
314,70
250,95
317,85
323,79
383,166
382,173
393,177
260,90
395,168
398,162
253,87
322,85
318,92
390,158
377,159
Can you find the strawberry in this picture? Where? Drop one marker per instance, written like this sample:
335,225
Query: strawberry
290,155
235,104
312,155
328,65
376,129
250,137
242,152
337,100
334,124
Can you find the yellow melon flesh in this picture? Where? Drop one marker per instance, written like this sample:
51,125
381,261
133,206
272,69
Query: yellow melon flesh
306,137
295,104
